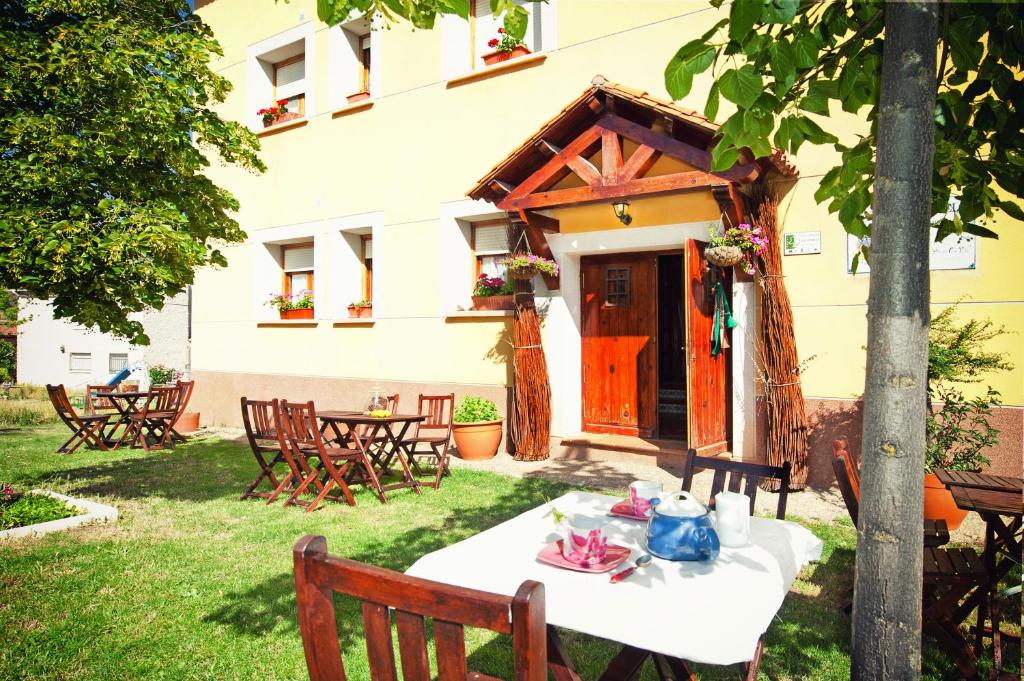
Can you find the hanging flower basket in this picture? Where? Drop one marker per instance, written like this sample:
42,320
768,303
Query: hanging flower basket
724,256
522,266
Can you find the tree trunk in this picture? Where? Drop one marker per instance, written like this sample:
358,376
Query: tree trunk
886,637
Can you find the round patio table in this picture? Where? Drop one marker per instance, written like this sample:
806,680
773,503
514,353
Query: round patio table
126,403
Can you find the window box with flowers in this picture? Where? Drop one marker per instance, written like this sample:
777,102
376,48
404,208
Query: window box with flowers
361,310
277,114
298,306
524,266
505,48
493,293
736,245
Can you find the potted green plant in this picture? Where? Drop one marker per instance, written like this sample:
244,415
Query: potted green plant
361,310
735,245
476,427
505,47
525,265
958,429
160,374
278,113
298,306
492,293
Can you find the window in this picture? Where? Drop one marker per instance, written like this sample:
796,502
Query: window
297,263
290,83
117,361
490,246
364,63
80,363
367,267
616,286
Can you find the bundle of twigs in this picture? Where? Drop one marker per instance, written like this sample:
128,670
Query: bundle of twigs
777,354
530,420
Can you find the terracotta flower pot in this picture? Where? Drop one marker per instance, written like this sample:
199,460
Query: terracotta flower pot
939,504
358,97
281,118
360,312
188,422
477,441
496,57
300,313
493,302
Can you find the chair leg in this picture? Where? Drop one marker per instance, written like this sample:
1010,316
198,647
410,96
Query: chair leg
442,463
750,668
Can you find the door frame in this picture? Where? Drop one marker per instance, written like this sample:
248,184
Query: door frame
656,379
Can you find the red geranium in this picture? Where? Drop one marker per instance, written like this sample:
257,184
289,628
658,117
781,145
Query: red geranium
493,42
504,42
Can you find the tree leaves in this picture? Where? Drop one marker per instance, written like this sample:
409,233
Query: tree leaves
742,86
692,58
742,17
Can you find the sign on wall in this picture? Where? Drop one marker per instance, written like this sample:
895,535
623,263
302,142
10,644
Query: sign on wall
952,253
801,243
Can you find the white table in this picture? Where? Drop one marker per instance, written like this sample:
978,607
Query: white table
702,612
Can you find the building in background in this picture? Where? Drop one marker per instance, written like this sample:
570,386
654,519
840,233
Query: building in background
57,351
365,196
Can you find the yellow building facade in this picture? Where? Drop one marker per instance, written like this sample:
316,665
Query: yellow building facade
365,196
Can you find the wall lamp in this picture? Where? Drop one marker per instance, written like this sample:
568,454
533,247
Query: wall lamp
621,209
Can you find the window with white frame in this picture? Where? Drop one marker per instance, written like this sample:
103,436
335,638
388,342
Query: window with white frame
367,258
485,27
463,44
80,363
280,68
352,52
290,83
116,361
490,247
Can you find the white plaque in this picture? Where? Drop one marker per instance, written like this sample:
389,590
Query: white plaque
955,252
801,243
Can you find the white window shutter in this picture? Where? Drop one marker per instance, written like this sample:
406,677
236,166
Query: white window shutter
490,239
298,259
368,249
291,79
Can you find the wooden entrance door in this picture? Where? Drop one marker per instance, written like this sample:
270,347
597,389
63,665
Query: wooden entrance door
707,377
620,329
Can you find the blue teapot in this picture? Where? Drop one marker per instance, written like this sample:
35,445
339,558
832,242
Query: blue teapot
680,529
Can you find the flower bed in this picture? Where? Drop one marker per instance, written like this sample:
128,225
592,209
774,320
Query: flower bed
40,512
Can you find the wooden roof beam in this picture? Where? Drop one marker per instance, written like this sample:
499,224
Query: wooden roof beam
658,184
500,186
538,242
547,148
583,144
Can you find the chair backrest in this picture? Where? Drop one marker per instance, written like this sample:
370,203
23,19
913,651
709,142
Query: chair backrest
439,410
258,419
186,388
737,472
299,423
318,575
59,399
94,403
127,387
161,399
846,476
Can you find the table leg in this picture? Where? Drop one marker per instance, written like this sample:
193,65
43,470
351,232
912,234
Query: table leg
626,665
397,453
559,664
367,462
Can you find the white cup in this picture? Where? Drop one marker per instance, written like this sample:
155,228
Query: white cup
583,539
640,494
732,518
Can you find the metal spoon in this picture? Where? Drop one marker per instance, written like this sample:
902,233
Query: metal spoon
642,561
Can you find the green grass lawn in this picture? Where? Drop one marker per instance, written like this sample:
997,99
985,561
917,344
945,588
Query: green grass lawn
192,583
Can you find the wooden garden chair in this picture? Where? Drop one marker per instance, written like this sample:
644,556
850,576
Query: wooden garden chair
333,463
94,404
266,439
950,576
433,436
151,425
186,388
411,600
738,472
936,533
87,429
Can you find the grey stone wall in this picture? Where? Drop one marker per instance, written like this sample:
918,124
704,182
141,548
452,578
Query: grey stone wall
168,334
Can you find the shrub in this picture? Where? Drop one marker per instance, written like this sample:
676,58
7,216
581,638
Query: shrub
475,409
159,374
26,413
8,362
30,509
960,430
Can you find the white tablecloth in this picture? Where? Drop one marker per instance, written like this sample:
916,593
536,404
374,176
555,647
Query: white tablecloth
702,612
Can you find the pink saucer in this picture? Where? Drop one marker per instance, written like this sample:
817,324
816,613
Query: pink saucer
552,555
624,509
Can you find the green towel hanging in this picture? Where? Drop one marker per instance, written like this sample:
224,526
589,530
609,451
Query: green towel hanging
717,331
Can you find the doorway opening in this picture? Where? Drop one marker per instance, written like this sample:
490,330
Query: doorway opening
671,349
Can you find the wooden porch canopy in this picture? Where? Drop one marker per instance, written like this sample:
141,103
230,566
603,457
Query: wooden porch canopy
599,120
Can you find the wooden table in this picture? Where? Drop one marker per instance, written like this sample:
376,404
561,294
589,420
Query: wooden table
126,403
999,500
379,444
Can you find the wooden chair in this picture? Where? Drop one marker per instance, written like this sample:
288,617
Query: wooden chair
737,472
950,575
266,439
936,533
299,424
383,592
99,405
87,430
186,388
432,436
151,426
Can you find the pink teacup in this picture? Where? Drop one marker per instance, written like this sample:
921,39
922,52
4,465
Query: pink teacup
641,493
583,539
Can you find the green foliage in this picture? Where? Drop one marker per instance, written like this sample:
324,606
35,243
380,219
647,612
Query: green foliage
106,121
31,509
29,412
961,430
422,13
8,361
956,353
160,374
782,62
475,409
